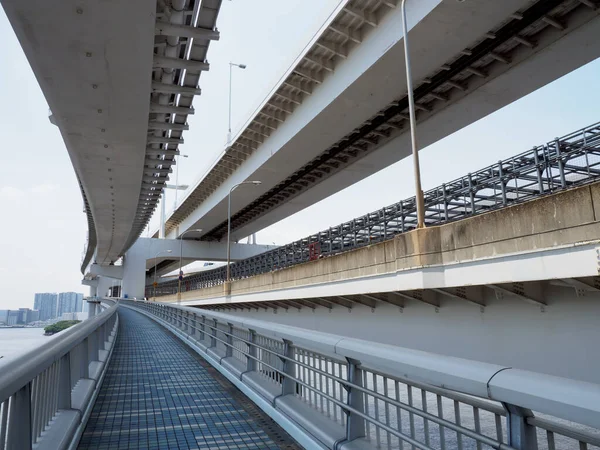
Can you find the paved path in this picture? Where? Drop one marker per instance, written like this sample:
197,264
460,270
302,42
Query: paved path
158,395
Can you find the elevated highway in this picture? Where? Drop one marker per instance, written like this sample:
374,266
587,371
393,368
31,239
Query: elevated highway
120,79
339,113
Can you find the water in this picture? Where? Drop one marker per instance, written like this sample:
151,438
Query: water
16,341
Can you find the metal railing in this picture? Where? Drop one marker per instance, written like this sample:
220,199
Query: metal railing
565,162
342,390
46,394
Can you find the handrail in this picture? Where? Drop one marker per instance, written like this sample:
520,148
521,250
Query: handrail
20,370
51,388
281,352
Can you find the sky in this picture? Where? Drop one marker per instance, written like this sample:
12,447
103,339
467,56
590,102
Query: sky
42,224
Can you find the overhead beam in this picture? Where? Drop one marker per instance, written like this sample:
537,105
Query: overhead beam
169,29
165,126
175,88
165,62
167,109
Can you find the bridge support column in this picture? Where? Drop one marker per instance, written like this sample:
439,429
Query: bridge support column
104,284
134,271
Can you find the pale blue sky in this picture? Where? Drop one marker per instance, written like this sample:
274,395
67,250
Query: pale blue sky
43,228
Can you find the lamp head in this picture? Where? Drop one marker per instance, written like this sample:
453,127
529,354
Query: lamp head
256,182
169,251
242,66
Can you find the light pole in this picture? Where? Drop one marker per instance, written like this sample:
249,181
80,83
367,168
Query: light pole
231,66
413,125
177,179
255,183
156,256
180,261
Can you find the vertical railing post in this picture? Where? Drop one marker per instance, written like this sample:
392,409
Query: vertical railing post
355,425
251,362
64,383
85,359
521,435
561,164
19,419
471,195
538,171
213,335
502,184
93,347
288,386
193,324
203,328
401,216
445,202
229,348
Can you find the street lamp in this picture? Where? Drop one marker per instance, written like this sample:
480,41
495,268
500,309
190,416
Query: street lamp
413,126
156,256
231,66
177,179
180,260
255,183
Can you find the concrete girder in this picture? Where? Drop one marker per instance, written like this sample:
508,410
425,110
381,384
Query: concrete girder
583,285
165,62
354,36
165,126
115,272
337,49
472,294
365,16
531,292
299,86
170,29
168,109
92,283
174,89
426,296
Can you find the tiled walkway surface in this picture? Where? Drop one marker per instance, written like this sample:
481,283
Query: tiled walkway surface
157,395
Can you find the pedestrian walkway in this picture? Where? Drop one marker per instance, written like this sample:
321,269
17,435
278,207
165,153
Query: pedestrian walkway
157,394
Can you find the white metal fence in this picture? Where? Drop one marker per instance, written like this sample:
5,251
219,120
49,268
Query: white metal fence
46,394
363,394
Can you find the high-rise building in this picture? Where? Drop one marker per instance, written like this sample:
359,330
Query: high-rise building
4,316
33,315
69,302
46,304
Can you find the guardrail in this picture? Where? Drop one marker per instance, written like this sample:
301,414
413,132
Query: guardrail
47,393
349,393
562,163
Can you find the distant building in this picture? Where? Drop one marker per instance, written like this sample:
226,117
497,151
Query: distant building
13,318
33,315
69,302
46,304
3,316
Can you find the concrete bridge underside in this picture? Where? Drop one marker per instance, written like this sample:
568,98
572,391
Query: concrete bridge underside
517,286
318,147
